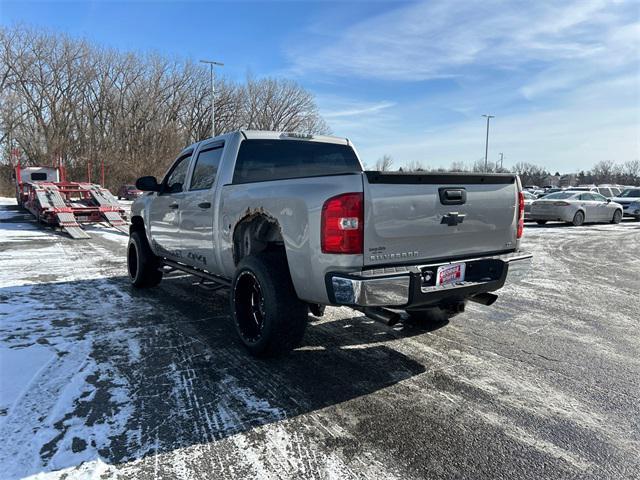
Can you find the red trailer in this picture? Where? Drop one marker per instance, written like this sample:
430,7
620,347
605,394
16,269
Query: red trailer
53,200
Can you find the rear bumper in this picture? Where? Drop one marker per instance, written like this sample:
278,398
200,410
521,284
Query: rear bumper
409,286
552,215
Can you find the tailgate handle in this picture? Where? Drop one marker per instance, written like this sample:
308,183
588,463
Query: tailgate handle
452,196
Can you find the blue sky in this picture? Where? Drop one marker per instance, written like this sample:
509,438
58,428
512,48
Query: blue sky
411,79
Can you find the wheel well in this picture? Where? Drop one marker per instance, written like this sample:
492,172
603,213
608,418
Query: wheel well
256,233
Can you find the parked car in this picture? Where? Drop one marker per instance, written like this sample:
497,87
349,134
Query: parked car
575,207
129,192
630,201
291,223
549,191
529,198
608,191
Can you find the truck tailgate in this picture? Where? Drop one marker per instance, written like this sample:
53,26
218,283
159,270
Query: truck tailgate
425,217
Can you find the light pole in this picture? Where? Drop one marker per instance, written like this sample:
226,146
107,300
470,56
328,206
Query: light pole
213,91
486,146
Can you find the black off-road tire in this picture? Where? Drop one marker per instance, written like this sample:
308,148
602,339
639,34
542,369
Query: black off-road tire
142,265
541,222
267,314
617,217
578,219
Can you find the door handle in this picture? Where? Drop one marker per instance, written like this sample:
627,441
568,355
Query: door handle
205,205
173,205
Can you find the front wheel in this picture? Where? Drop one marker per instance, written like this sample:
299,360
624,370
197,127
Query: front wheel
617,217
269,317
578,219
142,264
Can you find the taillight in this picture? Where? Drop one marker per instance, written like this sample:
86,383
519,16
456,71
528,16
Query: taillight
520,215
342,224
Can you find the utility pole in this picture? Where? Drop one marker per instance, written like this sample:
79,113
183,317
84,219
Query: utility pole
211,64
486,146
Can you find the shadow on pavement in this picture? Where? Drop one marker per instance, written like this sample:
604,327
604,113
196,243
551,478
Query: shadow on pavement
168,365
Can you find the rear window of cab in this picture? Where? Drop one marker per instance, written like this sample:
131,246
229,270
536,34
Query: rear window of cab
262,160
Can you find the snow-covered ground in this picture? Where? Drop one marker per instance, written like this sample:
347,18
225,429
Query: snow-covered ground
99,381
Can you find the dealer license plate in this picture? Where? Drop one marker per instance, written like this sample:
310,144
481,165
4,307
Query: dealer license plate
450,274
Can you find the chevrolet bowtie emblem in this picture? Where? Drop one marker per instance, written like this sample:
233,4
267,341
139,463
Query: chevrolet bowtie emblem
453,218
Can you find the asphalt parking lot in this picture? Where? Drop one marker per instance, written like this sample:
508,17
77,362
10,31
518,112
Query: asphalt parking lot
100,380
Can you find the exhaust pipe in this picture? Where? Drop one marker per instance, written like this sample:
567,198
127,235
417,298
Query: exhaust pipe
484,298
382,315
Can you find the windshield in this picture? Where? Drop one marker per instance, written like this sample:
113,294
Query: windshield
631,192
559,195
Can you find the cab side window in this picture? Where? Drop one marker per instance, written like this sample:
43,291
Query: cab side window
174,182
206,168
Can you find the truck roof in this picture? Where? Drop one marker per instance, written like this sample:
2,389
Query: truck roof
262,134
267,134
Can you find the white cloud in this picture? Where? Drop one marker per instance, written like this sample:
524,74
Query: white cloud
563,79
569,137
356,109
442,38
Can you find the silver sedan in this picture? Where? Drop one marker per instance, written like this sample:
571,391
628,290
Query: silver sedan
575,208
529,198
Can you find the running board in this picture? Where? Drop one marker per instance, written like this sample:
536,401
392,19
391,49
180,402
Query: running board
198,273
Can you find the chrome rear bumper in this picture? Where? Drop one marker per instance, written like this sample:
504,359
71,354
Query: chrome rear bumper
405,286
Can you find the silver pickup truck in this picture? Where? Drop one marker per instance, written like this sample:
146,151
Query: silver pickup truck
291,223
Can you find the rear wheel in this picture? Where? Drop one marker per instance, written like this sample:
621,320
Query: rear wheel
578,219
142,264
617,217
541,222
269,318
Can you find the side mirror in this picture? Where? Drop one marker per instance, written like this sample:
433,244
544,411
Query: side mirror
608,200
148,184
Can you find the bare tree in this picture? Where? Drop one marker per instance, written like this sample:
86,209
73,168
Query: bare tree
530,174
603,171
384,163
63,99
